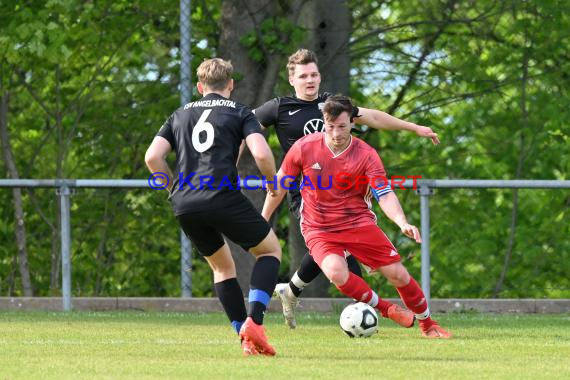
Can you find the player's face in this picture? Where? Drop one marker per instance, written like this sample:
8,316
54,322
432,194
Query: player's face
337,131
306,80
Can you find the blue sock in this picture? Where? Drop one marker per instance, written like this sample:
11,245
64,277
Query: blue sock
263,280
237,325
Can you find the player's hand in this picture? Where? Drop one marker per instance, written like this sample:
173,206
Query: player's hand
411,231
427,132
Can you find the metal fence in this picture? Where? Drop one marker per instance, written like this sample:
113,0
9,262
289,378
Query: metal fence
424,189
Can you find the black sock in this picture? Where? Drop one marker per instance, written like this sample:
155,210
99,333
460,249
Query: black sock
353,265
231,297
295,290
307,272
263,280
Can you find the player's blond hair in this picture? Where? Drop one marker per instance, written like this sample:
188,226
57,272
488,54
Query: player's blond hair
301,57
215,73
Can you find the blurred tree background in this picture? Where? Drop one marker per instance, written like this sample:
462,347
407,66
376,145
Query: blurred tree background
85,85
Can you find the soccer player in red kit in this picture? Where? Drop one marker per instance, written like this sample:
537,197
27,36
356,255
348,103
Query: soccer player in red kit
300,115
336,215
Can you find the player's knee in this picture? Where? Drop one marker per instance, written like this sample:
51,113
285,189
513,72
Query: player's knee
337,273
276,254
223,269
339,277
274,251
268,247
399,278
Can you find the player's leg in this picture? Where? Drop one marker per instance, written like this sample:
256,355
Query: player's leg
353,265
245,226
413,297
309,269
264,275
331,258
230,294
262,284
336,269
288,293
212,247
227,287
373,249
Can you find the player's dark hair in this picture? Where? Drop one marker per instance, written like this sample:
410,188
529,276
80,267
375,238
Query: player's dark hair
301,57
336,105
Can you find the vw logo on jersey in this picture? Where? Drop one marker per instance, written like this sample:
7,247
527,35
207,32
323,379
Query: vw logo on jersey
313,126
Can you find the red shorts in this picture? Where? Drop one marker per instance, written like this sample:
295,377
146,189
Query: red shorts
369,245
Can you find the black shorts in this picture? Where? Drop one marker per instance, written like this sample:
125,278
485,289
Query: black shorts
241,223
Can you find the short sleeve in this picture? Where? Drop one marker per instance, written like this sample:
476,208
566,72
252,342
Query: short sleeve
267,112
292,163
250,124
166,131
376,174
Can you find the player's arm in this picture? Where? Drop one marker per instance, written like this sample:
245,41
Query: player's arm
387,199
290,169
155,158
262,155
240,152
272,201
242,146
266,113
391,207
381,120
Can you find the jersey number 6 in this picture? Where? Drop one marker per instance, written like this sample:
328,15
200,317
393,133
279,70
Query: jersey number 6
203,126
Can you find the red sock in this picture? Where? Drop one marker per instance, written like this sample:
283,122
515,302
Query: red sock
426,323
383,307
414,299
355,287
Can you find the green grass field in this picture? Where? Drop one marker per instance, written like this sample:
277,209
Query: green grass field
131,345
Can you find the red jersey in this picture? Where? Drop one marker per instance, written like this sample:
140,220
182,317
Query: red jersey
333,199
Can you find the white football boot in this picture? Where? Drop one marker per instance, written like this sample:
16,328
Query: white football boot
289,302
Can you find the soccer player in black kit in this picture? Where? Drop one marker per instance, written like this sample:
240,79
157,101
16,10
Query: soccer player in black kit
206,135
296,116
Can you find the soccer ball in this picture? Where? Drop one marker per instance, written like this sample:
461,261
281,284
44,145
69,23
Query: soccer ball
359,320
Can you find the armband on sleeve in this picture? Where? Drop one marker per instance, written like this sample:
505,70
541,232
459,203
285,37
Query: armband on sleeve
377,193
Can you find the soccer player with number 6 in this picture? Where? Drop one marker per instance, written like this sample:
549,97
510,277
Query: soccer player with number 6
206,136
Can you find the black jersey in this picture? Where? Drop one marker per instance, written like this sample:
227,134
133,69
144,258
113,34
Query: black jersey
293,118
206,135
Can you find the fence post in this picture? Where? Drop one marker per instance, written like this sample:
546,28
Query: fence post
425,192
64,193
186,266
185,97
